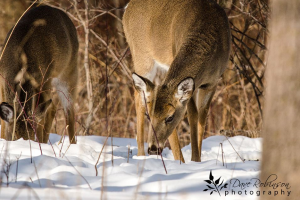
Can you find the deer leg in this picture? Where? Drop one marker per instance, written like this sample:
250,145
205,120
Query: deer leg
204,100
174,143
140,114
3,123
43,112
70,120
49,116
192,117
66,101
39,127
3,127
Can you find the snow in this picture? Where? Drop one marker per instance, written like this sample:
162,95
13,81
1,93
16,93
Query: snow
70,173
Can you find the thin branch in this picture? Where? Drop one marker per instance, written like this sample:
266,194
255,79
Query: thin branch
149,119
79,173
124,67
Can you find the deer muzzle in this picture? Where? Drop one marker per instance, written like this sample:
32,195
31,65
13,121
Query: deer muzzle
153,150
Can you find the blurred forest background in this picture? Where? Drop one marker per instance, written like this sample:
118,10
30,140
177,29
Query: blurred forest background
105,103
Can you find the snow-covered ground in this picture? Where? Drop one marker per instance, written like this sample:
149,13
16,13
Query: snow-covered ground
68,172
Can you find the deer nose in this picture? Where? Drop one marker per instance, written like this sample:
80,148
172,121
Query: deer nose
153,150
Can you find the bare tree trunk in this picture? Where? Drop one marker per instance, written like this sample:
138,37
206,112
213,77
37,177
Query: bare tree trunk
117,23
87,68
85,24
282,106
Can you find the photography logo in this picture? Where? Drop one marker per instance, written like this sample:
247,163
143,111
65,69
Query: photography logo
248,187
214,186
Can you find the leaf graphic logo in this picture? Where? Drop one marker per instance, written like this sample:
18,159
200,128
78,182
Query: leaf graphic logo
214,186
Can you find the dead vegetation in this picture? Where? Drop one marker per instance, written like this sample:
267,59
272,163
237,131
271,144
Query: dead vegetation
105,103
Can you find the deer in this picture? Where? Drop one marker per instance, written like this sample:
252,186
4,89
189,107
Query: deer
40,56
190,42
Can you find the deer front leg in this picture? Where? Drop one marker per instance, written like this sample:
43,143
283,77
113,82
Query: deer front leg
140,114
204,100
70,118
193,121
174,143
3,123
43,114
3,127
49,116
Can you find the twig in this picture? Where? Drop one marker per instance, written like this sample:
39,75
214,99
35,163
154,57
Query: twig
124,67
222,153
139,181
62,138
15,120
89,87
119,61
128,153
235,29
106,93
18,157
102,179
37,174
21,189
255,88
79,173
113,106
28,141
52,147
250,50
234,149
149,119
100,155
218,155
250,15
7,164
249,63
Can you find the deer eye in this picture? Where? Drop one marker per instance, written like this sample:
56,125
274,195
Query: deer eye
169,119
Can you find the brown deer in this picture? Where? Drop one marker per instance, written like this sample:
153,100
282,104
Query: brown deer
41,54
189,39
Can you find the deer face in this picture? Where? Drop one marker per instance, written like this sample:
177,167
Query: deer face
166,106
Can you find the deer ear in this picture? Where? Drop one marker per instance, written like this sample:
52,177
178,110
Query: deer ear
143,86
139,83
6,111
185,90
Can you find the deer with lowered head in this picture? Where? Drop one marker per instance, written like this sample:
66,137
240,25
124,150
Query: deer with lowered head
190,41
41,54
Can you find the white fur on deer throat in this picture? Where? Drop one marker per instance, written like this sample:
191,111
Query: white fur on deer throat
153,77
157,67
62,92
